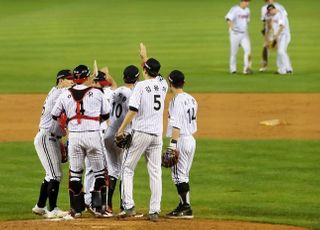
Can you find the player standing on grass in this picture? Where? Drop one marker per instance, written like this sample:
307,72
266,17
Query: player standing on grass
238,19
146,106
282,36
267,31
85,107
182,124
119,108
103,81
47,145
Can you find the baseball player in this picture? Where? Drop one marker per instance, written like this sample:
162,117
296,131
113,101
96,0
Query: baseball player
119,108
99,81
85,107
146,106
238,19
182,124
47,145
280,26
268,32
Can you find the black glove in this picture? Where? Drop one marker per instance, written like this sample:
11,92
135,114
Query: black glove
170,158
123,141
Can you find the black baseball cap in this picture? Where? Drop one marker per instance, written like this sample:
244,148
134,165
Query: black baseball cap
131,74
176,78
101,78
270,7
65,74
152,66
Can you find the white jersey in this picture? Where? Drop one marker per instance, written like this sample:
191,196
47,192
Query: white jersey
240,18
93,105
46,117
280,19
264,11
148,99
183,110
119,106
107,96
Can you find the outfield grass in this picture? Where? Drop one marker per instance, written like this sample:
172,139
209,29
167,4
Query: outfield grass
38,38
263,181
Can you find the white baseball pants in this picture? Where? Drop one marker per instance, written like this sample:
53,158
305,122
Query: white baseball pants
237,39
283,60
151,146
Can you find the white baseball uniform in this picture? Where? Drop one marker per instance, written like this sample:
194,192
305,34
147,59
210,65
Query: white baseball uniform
119,108
239,36
182,115
88,181
283,60
46,141
84,129
148,100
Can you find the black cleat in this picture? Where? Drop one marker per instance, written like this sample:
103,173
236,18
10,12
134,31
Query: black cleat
185,212
154,216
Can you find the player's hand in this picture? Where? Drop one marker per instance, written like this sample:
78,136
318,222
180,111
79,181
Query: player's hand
143,51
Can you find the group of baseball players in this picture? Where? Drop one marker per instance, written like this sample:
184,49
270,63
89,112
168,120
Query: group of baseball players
92,112
276,33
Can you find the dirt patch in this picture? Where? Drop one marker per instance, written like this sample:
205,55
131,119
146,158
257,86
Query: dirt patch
87,224
221,116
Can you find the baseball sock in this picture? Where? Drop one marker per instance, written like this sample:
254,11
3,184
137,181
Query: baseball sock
183,191
53,191
43,194
112,186
265,56
121,206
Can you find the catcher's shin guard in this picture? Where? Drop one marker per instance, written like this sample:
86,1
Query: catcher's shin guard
76,196
99,195
96,199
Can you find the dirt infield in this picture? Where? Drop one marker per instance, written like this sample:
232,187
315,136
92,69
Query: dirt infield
221,116
87,224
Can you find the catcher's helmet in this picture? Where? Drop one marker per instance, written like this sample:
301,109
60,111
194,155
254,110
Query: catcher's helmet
80,74
130,74
176,78
152,66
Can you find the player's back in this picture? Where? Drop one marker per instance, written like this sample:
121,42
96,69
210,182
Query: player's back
85,115
183,110
264,10
119,106
148,99
46,118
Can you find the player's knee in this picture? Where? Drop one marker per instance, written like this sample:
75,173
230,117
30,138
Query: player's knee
75,186
183,187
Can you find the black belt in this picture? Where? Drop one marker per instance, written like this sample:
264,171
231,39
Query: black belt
85,131
58,137
151,134
52,135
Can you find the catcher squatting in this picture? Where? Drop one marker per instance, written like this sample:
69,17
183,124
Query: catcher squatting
108,129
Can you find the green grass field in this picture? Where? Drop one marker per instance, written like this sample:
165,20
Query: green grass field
38,38
261,181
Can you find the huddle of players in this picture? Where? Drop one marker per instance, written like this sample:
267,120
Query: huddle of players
137,107
276,34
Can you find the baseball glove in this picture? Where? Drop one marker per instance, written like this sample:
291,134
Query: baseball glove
170,158
273,43
123,141
64,152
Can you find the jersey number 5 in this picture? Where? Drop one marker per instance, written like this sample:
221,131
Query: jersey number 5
157,102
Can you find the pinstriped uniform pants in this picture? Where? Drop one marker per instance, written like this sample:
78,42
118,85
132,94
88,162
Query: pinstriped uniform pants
151,146
49,153
186,147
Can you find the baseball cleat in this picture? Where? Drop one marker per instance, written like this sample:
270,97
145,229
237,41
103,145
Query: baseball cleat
154,216
247,71
234,72
72,215
263,69
55,213
107,213
129,213
39,211
184,212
